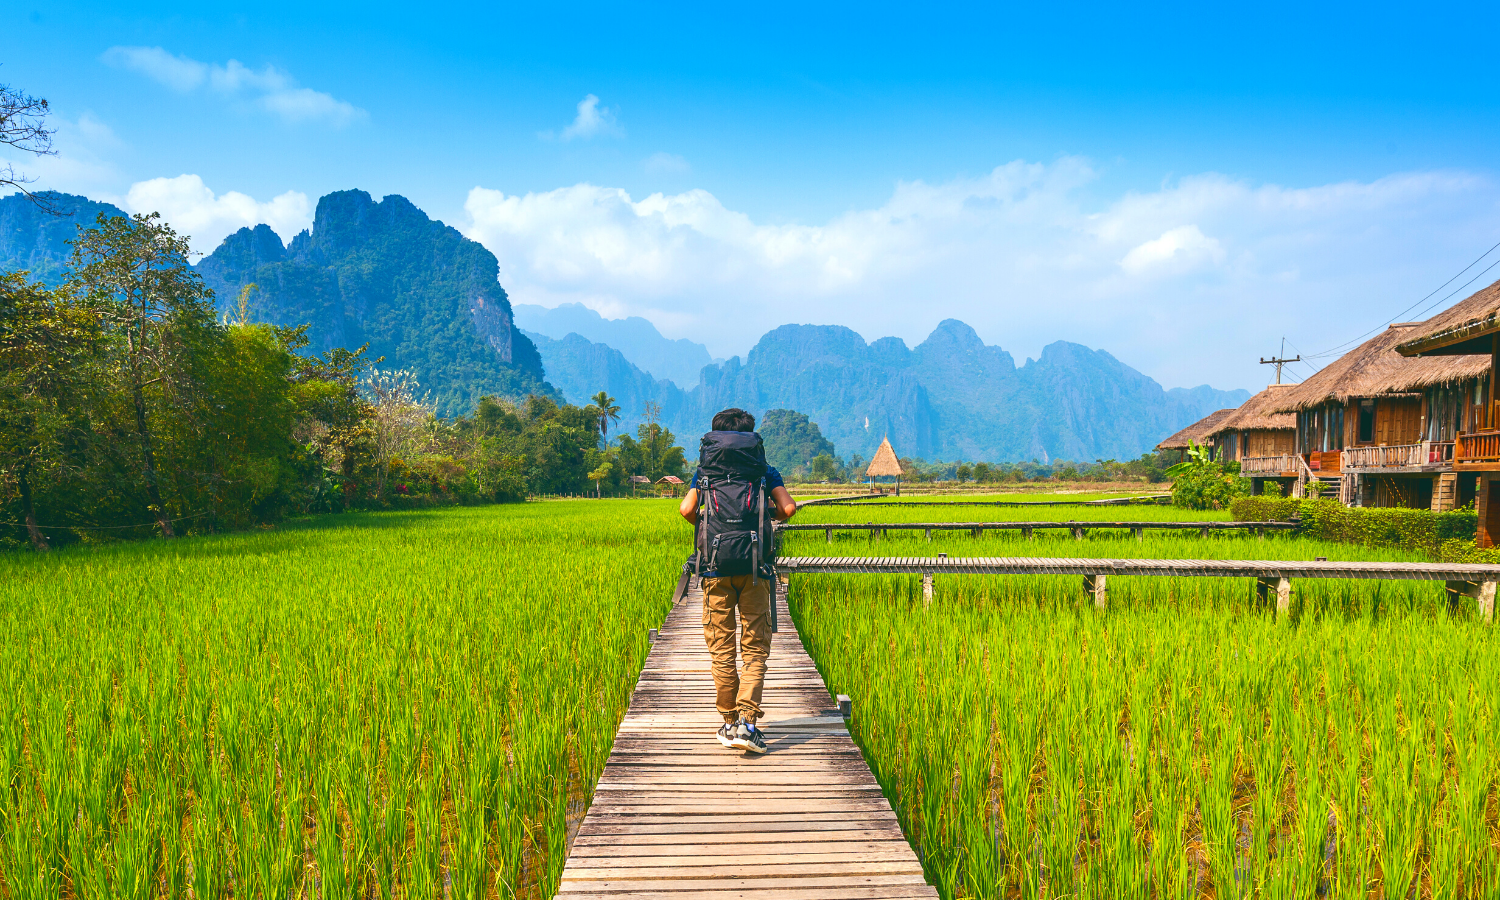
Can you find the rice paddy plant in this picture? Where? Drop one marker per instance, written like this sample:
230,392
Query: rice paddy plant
381,705
1181,743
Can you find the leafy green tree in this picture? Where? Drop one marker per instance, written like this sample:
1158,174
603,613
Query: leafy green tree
963,472
982,472
792,440
825,467
49,349
135,272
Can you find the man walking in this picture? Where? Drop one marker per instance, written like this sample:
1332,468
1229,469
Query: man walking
731,501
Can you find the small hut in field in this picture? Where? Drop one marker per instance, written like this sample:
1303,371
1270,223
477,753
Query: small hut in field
1196,433
668,484
885,464
637,481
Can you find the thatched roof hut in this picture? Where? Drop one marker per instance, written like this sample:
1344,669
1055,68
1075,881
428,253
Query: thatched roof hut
1375,368
1196,433
1259,413
885,462
1464,328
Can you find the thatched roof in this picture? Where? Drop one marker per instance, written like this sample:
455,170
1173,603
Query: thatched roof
1259,413
885,462
669,479
1196,433
1374,368
1463,328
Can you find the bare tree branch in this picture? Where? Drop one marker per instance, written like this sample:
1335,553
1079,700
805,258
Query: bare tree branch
23,125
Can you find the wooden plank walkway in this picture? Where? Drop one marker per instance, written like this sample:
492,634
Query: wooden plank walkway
677,815
1079,528
1463,580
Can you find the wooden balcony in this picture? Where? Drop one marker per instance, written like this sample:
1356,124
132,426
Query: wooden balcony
1478,450
1430,455
1284,466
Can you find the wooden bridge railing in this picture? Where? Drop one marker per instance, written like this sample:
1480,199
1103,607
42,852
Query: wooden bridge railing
1471,580
1079,529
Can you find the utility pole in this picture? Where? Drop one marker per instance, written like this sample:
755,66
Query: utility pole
1279,361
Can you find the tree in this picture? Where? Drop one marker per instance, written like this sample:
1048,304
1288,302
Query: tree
599,475
982,472
23,125
963,472
135,273
608,412
1199,482
48,345
792,440
825,467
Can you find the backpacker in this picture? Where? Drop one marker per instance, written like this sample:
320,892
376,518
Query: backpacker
734,527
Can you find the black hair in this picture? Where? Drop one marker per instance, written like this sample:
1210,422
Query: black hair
734,419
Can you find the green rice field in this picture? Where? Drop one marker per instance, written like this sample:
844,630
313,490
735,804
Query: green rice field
418,704
407,704
1182,743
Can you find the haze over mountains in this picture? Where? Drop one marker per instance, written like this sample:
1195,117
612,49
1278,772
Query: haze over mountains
428,300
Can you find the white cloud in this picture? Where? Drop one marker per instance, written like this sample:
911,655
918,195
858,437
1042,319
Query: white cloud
270,88
665,164
592,121
1178,249
191,208
1190,282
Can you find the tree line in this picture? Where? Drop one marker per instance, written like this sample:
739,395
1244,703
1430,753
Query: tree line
129,406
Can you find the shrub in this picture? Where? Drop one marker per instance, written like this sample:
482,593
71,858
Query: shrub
1201,483
1447,536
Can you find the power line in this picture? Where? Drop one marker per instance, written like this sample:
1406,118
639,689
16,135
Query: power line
1342,347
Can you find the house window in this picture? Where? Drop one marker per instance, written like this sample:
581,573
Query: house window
1366,421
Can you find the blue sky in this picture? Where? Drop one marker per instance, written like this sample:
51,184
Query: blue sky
1180,186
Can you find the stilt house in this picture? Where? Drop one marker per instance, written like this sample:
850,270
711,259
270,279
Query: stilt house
1261,439
1381,427
1470,331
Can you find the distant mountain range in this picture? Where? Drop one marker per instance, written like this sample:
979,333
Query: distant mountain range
637,339
428,300
950,397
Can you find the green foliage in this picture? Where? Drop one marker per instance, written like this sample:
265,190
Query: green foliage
127,408
1199,482
415,698
1445,536
792,439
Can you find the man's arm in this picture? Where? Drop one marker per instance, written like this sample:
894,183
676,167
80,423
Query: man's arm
688,508
786,507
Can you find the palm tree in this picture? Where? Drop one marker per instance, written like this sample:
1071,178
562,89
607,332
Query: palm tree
608,411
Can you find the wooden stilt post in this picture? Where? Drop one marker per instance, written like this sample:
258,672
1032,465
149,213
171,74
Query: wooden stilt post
1482,592
1139,534
1026,531
929,535
1283,596
1098,586
828,534
926,589
1077,533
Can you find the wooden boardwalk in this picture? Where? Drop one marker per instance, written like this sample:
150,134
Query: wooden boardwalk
1078,528
677,815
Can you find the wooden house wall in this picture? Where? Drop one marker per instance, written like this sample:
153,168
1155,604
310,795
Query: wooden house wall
1270,442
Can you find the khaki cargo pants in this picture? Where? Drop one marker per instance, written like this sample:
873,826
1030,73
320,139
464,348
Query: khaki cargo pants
738,689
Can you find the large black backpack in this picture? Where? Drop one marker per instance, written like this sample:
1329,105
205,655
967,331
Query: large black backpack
734,527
